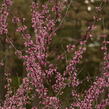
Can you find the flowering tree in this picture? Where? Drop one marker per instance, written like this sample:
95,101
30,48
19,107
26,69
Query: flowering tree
44,85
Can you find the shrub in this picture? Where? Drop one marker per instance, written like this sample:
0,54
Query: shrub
44,85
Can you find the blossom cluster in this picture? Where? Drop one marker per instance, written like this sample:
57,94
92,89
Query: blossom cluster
4,13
